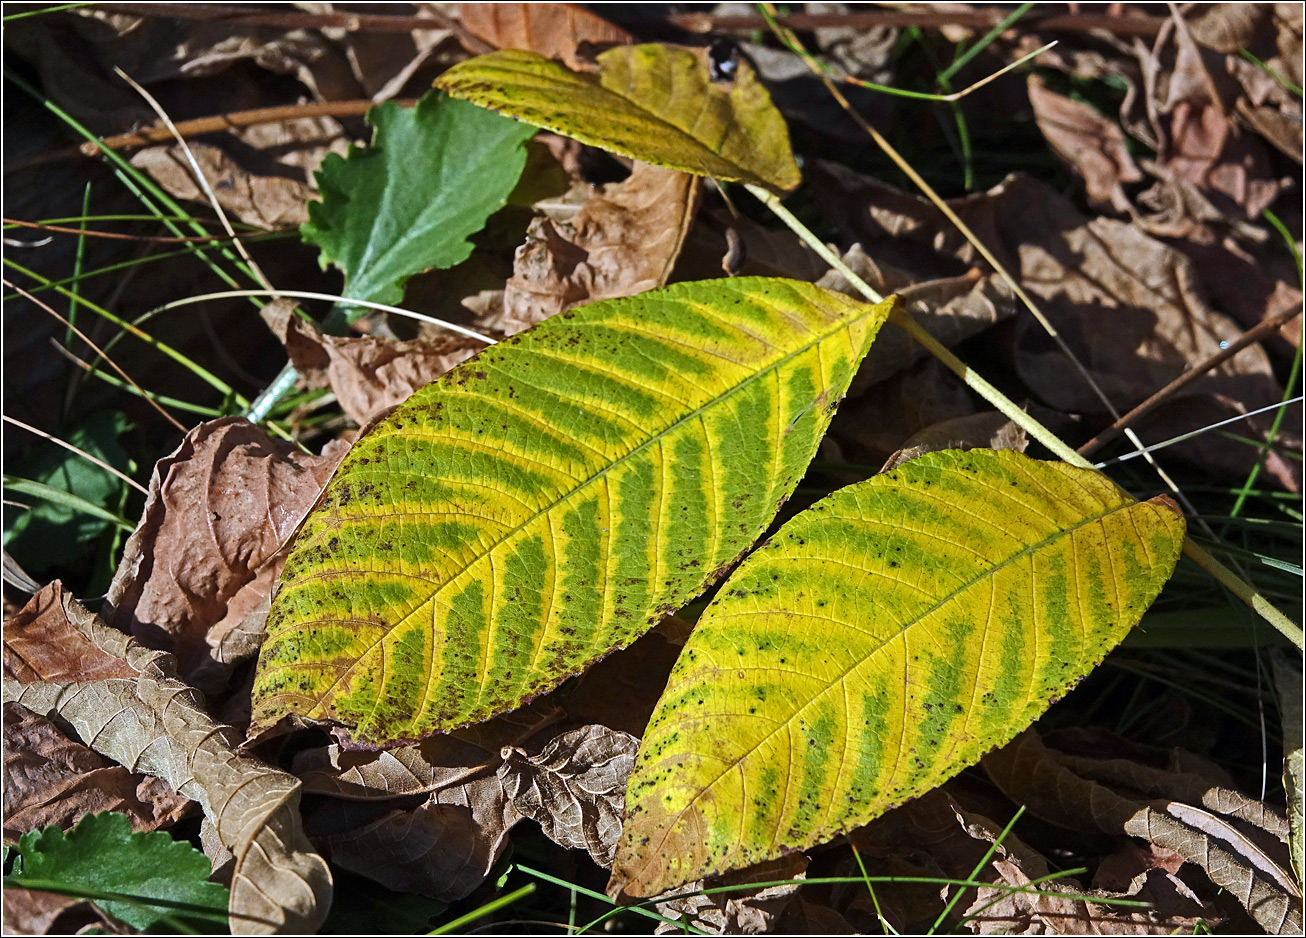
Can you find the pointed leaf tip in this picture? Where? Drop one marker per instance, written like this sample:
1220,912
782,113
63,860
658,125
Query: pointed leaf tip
881,642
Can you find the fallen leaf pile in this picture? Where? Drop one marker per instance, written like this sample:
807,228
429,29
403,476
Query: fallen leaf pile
1149,239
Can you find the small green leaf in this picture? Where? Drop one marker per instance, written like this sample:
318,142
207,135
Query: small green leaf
409,202
46,535
549,500
103,855
881,642
655,103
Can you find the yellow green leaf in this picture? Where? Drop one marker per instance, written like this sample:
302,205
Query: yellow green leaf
549,500
655,103
881,642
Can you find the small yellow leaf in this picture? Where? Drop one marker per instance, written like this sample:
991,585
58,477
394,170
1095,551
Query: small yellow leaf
654,103
881,642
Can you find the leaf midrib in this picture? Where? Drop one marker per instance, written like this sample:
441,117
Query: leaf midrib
992,571
867,310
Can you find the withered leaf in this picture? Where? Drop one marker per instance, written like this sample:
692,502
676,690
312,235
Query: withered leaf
554,30
444,848
1093,145
623,240
41,644
988,429
621,690
51,779
743,912
197,571
32,912
369,374
1288,683
575,788
432,764
262,174
157,725
1034,775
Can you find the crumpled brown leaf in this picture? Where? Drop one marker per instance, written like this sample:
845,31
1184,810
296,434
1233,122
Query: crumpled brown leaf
197,572
1129,306
988,429
369,374
261,174
40,644
1093,145
745,912
623,240
156,724
32,912
1233,855
444,848
766,252
575,788
936,837
554,30
51,779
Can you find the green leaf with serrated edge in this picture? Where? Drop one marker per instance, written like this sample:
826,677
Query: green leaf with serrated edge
881,642
655,103
549,500
408,203
103,854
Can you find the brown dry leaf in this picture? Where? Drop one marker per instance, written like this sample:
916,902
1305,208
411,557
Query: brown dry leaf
1273,33
444,848
262,174
623,241
40,644
369,374
197,572
1128,305
157,725
766,252
434,763
744,912
51,779
1190,105
871,428
1092,145
1288,684
952,309
31,912
554,30
1248,867
988,429
621,690
575,788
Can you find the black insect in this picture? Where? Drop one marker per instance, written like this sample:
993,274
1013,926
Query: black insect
723,59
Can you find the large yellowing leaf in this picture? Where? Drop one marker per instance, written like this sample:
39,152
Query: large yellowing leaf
655,103
549,500
879,643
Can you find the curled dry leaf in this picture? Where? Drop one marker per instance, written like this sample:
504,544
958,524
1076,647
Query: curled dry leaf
154,723
261,174
1130,306
950,308
744,912
1093,145
986,430
41,644
32,912
1234,858
575,788
369,374
554,30
623,240
51,779
197,572
444,848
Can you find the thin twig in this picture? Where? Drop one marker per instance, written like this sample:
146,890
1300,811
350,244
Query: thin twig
1256,333
80,452
116,235
1145,27
81,335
